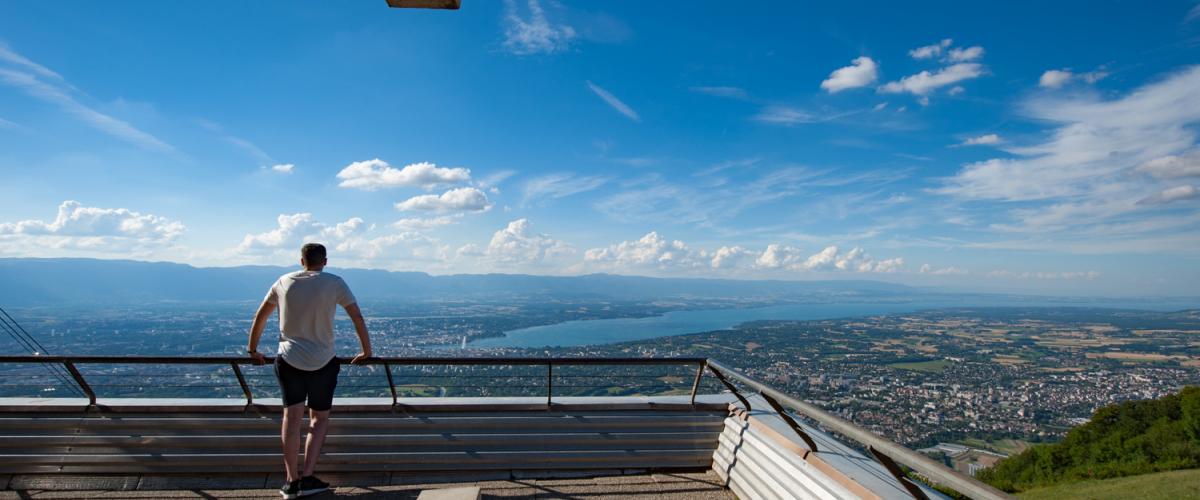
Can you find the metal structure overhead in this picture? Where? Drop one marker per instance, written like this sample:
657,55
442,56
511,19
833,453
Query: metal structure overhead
425,4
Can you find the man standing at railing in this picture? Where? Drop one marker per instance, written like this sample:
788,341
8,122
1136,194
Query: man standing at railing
306,366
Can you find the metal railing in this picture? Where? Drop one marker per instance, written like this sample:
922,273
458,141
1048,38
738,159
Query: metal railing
888,453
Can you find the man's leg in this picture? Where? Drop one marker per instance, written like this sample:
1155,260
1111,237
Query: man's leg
318,425
293,417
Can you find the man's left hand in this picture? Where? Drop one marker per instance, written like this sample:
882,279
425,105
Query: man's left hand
258,358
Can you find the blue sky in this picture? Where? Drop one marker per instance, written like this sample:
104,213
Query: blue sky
1006,147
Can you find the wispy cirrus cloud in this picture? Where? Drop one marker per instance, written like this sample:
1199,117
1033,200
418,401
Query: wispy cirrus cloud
730,92
534,34
42,83
615,103
559,185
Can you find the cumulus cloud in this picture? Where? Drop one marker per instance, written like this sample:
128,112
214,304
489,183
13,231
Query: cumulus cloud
650,251
517,243
862,72
80,231
1056,78
1169,195
352,242
467,199
964,54
777,256
370,175
729,257
615,103
422,223
77,221
283,168
535,34
930,51
982,140
924,83
1173,166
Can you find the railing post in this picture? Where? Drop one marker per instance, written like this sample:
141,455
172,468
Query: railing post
242,381
895,471
549,384
387,368
729,385
812,445
696,383
82,383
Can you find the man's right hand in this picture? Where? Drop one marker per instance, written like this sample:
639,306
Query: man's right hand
258,358
360,358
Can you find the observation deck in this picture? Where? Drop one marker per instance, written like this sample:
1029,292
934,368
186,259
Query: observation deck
516,427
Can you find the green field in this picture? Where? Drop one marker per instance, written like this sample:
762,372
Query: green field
1005,446
1172,484
935,366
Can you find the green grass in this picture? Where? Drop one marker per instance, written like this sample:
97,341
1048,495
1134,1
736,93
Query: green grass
1172,484
935,366
1005,446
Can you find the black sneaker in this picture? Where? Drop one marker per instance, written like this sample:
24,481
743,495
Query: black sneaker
290,490
310,485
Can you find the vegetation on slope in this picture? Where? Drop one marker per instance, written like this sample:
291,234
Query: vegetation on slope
1172,484
1135,437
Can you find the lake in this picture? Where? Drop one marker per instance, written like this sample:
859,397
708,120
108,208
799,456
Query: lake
609,331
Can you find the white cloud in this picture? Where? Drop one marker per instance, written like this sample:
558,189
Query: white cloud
1095,144
555,186
74,219
776,256
1046,275
467,199
1172,194
862,72
928,269
1172,166
930,51
1056,78
651,251
42,83
352,242
376,174
616,104
731,92
728,257
283,168
784,115
517,243
80,230
420,223
535,35
923,83
964,54
982,140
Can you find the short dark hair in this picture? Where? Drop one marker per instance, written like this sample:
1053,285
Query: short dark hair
313,253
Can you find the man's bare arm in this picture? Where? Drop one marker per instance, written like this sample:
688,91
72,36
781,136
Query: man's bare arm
360,327
256,329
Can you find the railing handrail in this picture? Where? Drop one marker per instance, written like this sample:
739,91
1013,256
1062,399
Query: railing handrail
923,465
408,360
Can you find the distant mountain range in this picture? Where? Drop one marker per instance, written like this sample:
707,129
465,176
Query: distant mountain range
36,282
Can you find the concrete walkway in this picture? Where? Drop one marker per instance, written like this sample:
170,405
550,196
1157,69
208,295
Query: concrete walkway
699,486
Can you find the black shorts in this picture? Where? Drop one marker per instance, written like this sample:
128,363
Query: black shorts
314,386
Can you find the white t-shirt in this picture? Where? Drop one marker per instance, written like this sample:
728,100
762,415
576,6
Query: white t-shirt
307,302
